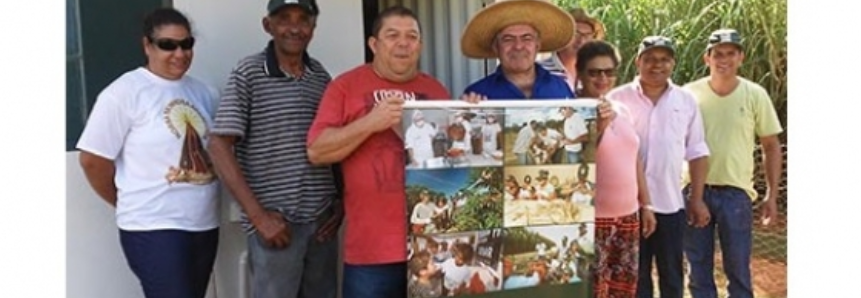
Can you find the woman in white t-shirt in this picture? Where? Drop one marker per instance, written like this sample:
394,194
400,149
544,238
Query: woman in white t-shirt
142,152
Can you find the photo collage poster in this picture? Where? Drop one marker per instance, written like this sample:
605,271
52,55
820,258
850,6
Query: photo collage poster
500,198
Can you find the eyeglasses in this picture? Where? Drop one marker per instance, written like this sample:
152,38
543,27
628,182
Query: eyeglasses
170,45
589,34
595,72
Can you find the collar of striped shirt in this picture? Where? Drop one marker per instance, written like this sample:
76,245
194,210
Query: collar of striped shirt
273,68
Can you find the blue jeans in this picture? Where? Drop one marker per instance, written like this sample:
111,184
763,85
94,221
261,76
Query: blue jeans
666,248
732,215
573,157
307,268
375,281
171,263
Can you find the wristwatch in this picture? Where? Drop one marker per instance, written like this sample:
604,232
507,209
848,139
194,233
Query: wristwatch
648,207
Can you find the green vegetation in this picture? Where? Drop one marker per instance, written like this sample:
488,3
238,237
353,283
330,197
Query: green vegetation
762,24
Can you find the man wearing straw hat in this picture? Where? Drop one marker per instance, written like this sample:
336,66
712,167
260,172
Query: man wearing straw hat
564,61
515,31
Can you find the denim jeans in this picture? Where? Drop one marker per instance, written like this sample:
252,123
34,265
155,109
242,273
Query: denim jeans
573,157
666,248
732,216
375,281
171,263
307,268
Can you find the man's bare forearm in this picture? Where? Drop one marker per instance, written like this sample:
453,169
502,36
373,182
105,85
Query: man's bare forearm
336,143
225,164
642,188
698,169
773,160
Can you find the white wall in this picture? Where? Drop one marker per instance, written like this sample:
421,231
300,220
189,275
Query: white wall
95,266
227,30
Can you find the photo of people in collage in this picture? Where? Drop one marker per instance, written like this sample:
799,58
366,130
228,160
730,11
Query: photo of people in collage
499,198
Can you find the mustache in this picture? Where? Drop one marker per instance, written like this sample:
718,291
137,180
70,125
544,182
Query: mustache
518,54
294,35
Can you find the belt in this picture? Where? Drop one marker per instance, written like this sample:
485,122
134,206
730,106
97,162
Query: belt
719,187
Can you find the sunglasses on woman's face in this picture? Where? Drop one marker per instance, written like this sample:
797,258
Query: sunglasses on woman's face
170,45
595,72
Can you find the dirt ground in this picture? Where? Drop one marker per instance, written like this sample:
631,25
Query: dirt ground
769,278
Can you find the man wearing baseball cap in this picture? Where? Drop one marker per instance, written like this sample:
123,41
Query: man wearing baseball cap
669,125
736,112
309,6
291,220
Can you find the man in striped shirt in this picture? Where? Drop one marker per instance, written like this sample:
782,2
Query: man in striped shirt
563,62
291,210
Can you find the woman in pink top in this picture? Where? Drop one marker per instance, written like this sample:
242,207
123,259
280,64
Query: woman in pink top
620,194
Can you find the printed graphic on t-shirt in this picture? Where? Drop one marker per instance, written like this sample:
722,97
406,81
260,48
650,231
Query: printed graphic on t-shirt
381,94
389,165
185,122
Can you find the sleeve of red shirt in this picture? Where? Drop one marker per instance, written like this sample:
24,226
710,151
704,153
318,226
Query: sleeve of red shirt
330,113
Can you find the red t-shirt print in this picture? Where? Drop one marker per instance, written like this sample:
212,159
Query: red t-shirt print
389,168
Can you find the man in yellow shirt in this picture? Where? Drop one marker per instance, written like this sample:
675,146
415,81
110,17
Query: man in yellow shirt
735,112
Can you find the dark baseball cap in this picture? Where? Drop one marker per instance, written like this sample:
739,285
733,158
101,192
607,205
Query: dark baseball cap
724,36
653,42
308,5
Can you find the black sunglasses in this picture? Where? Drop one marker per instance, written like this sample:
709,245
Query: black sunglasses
170,45
595,72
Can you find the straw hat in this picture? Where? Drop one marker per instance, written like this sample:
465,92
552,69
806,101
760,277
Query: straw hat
580,16
554,25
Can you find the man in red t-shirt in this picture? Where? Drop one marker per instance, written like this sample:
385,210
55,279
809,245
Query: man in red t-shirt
358,125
